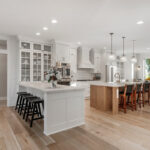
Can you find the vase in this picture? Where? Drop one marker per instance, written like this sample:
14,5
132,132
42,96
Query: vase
53,84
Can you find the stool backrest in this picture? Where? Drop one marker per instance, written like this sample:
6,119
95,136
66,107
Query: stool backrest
138,87
146,86
130,88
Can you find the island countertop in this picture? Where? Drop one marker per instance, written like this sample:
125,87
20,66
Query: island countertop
45,87
114,84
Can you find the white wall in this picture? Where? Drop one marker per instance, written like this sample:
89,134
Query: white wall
3,76
12,68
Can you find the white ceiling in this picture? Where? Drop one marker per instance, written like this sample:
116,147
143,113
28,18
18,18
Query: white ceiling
87,21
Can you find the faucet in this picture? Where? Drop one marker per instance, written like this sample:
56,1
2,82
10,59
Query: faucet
117,76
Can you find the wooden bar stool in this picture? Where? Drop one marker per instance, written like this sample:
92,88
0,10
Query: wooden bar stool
130,94
122,102
138,93
146,89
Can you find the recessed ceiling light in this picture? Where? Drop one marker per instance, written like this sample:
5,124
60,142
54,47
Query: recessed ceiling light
45,28
37,33
54,21
148,48
79,43
140,22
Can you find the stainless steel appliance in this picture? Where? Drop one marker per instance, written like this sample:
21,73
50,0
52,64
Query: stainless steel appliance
110,73
64,69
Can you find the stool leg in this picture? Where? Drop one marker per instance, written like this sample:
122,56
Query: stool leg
39,109
21,98
25,110
135,100
143,99
124,105
140,100
132,102
32,118
17,103
22,106
28,112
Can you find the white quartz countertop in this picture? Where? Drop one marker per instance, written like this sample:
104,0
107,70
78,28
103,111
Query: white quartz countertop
45,87
101,83
113,84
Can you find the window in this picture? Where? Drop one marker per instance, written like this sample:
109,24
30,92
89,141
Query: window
146,69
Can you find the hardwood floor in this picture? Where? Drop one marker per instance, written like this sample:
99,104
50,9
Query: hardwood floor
102,131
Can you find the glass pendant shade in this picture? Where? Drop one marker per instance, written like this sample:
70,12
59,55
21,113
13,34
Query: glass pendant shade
123,57
133,58
112,56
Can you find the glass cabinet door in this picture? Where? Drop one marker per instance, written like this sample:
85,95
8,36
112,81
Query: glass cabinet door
47,64
25,66
36,66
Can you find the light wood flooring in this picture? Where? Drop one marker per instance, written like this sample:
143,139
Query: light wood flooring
102,131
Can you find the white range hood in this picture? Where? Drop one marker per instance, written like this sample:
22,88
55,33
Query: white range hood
83,58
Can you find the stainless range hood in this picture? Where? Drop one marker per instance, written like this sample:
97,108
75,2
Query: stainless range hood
83,58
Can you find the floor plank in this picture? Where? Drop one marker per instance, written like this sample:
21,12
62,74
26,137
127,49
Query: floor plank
102,131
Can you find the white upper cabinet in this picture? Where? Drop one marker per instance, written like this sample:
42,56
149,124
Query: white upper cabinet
73,60
62,52
35,60
25,45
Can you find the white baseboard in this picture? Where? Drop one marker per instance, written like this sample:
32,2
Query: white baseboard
3,98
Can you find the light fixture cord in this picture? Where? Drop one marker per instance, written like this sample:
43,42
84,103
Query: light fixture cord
111,34
133,47
123,45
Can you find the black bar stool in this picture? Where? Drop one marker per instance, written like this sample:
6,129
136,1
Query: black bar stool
27,104
34,109
18,98
23,102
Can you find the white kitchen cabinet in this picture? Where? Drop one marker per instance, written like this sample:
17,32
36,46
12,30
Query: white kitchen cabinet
25,65
47,63
37,66
62,52
97,64
73,60
35,60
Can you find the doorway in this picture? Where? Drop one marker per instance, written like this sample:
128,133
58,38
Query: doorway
3,79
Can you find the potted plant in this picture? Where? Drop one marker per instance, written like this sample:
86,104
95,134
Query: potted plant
53,75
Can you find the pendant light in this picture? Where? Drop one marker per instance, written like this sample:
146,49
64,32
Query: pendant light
133,59
112,56
123,57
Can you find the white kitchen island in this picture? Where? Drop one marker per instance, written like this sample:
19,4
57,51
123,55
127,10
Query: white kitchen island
63,105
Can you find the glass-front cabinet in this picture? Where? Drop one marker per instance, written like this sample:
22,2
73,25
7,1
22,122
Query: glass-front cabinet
47,63
25,66
37,66
35,61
